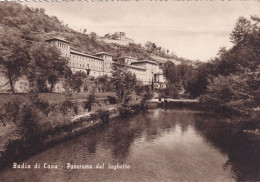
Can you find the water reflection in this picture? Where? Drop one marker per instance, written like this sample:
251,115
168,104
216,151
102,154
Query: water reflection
243,154
159,145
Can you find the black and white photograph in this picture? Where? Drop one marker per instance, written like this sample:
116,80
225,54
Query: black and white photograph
129,91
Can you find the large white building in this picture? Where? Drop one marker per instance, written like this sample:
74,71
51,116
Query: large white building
100,64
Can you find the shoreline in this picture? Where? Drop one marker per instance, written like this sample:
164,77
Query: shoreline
18,149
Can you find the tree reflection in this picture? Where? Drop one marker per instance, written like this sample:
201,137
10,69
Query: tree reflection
243,154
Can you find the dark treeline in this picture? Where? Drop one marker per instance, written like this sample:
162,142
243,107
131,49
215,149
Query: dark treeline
229,83
177,79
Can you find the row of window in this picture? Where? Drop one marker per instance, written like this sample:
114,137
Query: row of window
63,45
86,59
87,66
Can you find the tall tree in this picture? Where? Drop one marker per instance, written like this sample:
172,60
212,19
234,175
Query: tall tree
123,82
242,30
14,56
47,66
76,81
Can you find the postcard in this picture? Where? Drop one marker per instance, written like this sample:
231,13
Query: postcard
129,91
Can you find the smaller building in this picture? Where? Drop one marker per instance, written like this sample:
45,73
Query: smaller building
150,66
118,36
126,60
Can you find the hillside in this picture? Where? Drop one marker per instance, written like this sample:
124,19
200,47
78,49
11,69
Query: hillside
35,25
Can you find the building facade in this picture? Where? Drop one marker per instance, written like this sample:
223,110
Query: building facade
107,64
100,64
97,65
126,60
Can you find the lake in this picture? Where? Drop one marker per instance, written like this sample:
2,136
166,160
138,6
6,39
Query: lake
154,145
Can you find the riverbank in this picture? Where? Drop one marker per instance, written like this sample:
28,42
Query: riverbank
16,147
249,126
175,103
153,143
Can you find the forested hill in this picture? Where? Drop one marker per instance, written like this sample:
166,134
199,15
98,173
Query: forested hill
34,25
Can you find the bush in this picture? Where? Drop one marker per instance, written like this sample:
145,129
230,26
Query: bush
234,94
11,111
103,115
125,110
29,125
75,109
66,106
112,100
43,106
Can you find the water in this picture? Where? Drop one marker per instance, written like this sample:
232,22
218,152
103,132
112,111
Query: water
158,145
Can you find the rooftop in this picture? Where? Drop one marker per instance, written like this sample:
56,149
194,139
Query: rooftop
145,61
131,66
126,57
59,39
101,53
86,55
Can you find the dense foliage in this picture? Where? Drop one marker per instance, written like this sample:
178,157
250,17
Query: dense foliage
230,83
177,77
14,56
123,82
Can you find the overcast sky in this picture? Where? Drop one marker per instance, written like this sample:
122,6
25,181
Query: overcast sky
193,30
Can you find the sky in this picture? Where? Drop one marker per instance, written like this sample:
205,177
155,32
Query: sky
191,29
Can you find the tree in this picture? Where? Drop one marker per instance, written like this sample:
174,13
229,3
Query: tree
173,83
242,30
47,66
76,80
233,77
93,36
169,72
104,82
123,82
14,56
235,94
91,99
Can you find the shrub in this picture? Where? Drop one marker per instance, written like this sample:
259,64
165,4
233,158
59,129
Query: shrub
235,94
112,100
125,110
103,115
75,109
29,125
66,106
43,106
